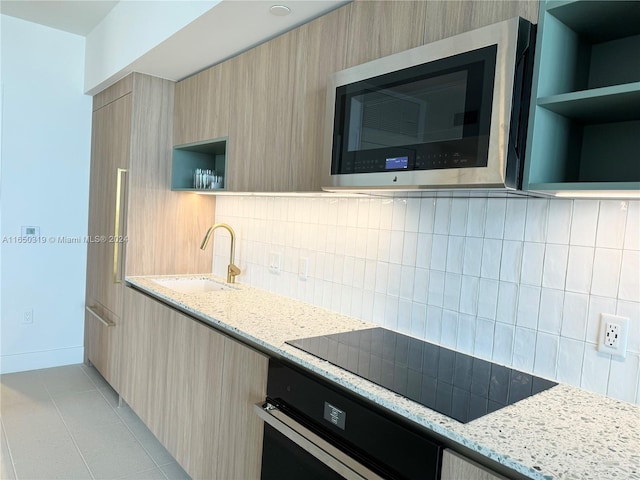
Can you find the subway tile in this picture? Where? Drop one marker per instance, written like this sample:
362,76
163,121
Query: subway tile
393,282
606,272
421,285
494,224
511,261
630,276
532,263
528,306
469,295
353,272
395,247
570,356
487,298
407,282
366,312
595,370
623,378
354,300
384,245
476,217
418,320
379,308
459,209
362,220
507,302
574,316
631,310
632,229
452,287
597,306
503,338
386,214
399,214
442,216
370,273
472,260
555,266
535,229
434,323
404,316
375,205
611,223
515,218
382,277
345,299
439,252
427,215
412,216
391,312
546,359
466,333
350,246
409,248
483,345
524,349
423,250
584,222
491,254
448,336
361,243
455,254
579,265
559,221
551,307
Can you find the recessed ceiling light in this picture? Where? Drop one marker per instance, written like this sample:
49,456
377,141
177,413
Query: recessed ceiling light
280,10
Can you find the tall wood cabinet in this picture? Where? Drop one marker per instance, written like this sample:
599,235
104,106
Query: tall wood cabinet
136,224
194,388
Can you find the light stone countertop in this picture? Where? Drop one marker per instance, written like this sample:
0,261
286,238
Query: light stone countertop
561,433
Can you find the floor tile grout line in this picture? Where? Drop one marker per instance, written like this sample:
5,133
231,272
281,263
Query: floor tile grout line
73,440
6,437
115,409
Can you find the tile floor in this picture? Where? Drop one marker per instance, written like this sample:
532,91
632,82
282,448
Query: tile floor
65,423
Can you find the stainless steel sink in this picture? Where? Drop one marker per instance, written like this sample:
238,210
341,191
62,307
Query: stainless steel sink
191,285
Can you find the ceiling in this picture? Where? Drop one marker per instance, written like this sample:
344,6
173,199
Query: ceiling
77,17
229,28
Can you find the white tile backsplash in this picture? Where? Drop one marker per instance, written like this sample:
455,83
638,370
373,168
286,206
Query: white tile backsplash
519,281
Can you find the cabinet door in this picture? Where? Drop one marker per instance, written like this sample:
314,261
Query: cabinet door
108,181
455,467
194,388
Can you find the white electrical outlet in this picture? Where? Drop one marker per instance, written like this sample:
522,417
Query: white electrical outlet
275,263
303,268
614,332
27,318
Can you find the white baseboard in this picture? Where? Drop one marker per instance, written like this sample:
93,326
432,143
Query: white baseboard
21,362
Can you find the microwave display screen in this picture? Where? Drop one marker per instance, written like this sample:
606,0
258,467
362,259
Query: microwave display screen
397,163
434,115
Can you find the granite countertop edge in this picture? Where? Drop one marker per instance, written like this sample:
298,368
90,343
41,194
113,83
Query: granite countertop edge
525,437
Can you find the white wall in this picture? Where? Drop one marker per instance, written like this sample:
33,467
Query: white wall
520,281
46,124
129,31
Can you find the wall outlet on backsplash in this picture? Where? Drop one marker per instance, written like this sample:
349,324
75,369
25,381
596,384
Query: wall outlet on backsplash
275,263
614,331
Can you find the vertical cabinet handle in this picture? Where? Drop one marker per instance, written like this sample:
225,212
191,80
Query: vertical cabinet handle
116,228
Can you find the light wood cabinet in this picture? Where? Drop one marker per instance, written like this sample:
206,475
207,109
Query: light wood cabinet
136,224
194,388
457,467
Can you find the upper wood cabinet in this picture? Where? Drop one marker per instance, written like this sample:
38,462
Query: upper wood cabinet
270,102
136,224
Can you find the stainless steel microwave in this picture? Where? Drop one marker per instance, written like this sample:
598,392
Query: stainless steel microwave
447,115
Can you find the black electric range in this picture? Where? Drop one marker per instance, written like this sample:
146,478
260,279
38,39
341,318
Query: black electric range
452,383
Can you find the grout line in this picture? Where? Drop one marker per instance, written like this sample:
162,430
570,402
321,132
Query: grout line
3,432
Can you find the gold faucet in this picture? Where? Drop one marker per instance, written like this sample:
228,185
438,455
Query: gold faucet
232,269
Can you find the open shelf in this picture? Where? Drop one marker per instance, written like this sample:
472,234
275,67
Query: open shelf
208,156
584,127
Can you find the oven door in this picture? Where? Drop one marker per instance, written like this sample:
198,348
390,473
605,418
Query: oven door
291,452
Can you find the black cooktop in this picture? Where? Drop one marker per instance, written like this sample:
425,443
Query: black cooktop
452,383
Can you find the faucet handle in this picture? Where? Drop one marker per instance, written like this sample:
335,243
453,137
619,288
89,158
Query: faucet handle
232,272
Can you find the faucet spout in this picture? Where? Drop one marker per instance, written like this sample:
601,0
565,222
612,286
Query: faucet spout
232,270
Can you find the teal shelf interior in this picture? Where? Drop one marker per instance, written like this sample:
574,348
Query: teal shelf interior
207,155
585,119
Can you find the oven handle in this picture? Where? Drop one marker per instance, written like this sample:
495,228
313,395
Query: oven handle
329,455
